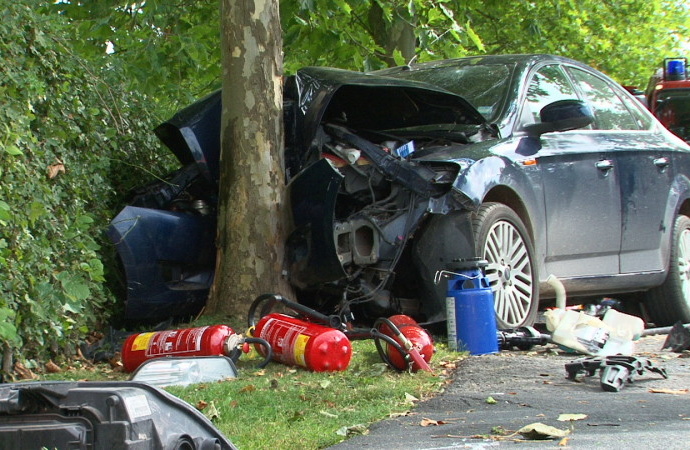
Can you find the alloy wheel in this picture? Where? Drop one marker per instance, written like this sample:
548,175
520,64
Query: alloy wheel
510,273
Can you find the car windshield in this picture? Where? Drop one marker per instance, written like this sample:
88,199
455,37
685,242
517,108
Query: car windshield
483,85
673,110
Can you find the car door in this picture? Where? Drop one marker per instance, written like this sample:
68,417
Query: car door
642,162
580,188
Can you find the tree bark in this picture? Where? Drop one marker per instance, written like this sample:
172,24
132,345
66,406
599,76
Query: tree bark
251,221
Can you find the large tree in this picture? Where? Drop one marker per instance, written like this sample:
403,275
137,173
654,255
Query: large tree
251,225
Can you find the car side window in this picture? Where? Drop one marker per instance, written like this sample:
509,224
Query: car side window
548,84
609,111
639,112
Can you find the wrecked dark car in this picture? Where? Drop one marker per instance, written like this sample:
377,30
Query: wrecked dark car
547,168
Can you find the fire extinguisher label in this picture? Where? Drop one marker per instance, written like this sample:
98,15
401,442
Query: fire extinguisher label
287,339
141,342
300,349
175,342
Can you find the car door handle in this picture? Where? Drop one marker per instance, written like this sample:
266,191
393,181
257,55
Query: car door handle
604,165
661,162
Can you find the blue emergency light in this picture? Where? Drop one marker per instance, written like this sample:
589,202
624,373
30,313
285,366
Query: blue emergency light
675,69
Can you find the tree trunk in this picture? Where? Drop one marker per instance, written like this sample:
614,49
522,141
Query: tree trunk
251,221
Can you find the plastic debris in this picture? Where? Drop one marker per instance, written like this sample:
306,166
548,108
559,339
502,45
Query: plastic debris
615,371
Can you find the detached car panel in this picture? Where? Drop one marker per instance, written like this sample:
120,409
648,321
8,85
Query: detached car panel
101,415
538,164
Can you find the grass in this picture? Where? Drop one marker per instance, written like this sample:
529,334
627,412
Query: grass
291,408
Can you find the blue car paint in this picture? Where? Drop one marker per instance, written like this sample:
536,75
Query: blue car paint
167,258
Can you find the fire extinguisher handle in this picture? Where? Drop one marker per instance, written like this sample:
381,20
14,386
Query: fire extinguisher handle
268,301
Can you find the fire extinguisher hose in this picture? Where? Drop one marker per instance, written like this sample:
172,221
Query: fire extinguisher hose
378,337
264,303
236,351
407,349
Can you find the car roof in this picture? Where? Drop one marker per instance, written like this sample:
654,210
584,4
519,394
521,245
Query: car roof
524,60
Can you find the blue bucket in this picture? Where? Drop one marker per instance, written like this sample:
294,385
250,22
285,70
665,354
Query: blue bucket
470,312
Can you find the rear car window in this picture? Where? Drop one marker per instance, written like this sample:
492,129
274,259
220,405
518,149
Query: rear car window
609,111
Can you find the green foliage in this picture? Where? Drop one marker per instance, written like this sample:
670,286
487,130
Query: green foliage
621,38
625,39
169,50
69,130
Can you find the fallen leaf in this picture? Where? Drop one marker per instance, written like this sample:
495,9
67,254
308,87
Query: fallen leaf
327,414
563,442
325,384
410,398
428,422
359,428
201,405
670,391
248,388
571,417
23,372
499,431
490,400
212,412
540,431
55,169
51,367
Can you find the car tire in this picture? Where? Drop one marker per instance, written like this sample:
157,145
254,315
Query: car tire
502,239
670,302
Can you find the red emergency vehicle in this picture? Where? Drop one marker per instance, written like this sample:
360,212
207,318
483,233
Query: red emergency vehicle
668,96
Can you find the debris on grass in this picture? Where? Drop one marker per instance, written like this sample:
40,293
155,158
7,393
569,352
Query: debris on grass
359,428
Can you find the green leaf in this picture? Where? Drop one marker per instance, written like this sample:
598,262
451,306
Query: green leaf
474,37
399,58
5,211
12,150
74,287
36,210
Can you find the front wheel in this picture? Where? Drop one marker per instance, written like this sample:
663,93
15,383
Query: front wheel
670,302
502,240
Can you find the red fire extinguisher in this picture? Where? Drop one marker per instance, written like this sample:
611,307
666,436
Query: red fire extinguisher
413,342
210,340
301,343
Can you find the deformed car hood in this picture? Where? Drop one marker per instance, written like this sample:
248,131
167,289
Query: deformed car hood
193,135
315,94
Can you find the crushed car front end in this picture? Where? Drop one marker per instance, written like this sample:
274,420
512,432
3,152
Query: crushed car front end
370,182
363,181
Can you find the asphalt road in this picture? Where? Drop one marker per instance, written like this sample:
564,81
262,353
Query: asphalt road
531,387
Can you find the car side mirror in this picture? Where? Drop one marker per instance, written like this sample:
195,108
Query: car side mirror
562,115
